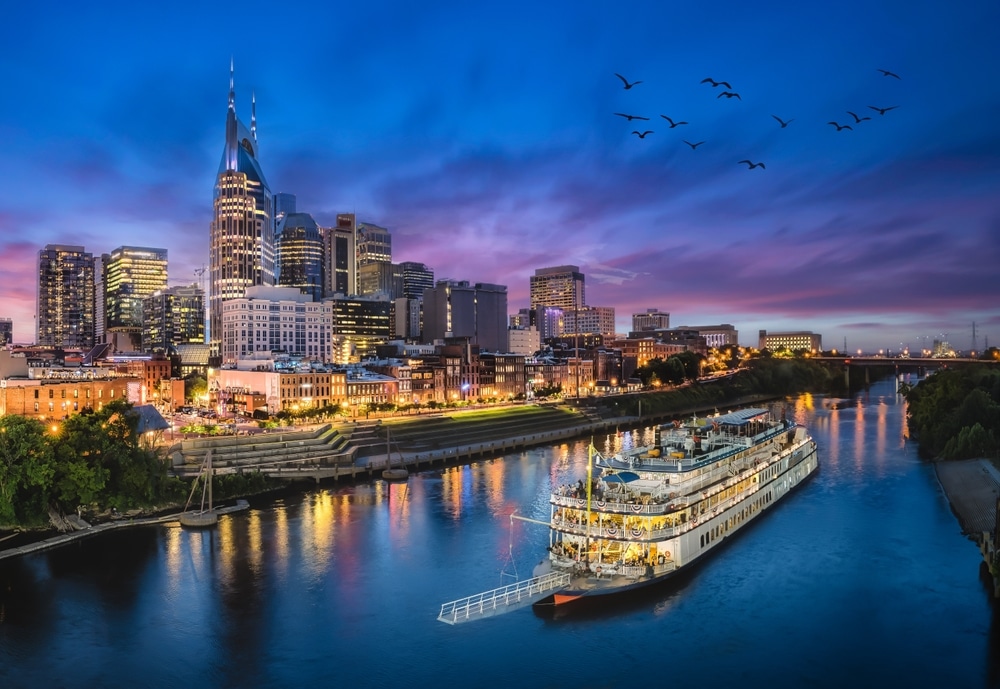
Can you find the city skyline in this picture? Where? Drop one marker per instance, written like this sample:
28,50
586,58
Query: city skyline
489,145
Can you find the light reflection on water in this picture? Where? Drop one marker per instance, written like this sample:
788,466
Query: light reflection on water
859,578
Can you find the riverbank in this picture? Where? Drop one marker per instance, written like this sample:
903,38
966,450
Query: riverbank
972,487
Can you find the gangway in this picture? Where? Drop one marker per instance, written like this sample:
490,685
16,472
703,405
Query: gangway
504,599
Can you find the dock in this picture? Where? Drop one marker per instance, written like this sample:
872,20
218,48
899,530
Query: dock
504,599
64,538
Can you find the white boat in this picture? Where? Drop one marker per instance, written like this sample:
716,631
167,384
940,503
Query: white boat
647,513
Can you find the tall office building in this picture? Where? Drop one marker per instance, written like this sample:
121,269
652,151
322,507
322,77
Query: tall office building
416,278
360,324
172,317
241,235
374,244
65,304
561,286
458,309
6,331
377,277
284,205
299,250
131,273
340,258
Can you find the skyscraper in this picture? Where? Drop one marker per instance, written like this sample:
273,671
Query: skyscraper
65,297
416,278
299,251
340,260
6,331
241,235
561,286
131,273
374,244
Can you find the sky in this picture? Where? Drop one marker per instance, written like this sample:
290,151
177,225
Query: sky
484,137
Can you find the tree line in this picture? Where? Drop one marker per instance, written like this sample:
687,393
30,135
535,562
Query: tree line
92,458
955,413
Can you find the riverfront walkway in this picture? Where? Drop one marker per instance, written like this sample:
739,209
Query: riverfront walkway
972,487
85,530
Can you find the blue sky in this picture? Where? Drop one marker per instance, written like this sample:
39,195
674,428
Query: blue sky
484,137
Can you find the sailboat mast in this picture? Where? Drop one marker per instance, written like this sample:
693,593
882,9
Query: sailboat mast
590,471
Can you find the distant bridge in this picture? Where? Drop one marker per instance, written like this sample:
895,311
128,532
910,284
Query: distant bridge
903,362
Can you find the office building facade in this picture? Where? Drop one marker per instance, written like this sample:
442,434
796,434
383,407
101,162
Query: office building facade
299,252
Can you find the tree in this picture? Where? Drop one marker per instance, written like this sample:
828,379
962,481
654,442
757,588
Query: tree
26,470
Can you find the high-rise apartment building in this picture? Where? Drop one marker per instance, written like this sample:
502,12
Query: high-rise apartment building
65,306
340,257
374,244
241,235
131,273
299,251
172,317
560,286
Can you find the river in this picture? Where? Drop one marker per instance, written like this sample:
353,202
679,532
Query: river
861,578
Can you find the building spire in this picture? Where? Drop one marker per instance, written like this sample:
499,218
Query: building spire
232,136
253,115
232,88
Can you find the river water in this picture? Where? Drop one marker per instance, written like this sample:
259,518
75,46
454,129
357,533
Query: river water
861,578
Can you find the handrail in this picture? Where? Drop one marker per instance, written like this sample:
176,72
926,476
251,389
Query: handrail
465,608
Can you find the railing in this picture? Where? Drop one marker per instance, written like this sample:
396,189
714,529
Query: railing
497,600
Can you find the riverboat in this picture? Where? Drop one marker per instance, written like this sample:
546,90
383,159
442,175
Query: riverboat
647,513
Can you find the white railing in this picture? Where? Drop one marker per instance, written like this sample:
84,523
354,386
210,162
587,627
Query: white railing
491,602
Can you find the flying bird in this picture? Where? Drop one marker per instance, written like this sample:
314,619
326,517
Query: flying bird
642,135
841,126
887,73
714,83
625,81
752,165
693,146
631,117
672,123
882,111
856,118
728,94
782,122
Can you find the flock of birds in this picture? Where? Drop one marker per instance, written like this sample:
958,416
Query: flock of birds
728,93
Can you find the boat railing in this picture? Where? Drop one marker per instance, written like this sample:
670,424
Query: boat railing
496,600
606,506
